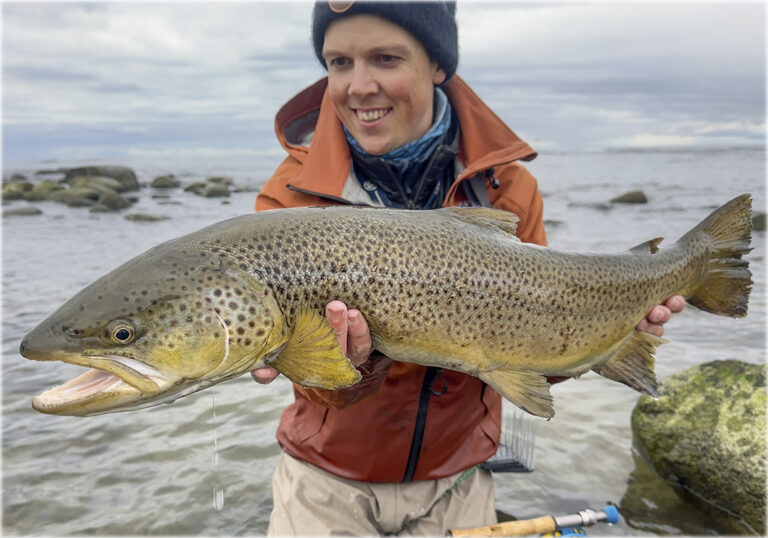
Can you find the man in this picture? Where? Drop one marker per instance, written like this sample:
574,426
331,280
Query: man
392,126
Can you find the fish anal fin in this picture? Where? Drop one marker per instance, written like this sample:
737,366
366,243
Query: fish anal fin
632,362
312,356
527,390
486,217
648,247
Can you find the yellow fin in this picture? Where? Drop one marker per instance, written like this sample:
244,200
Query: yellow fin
312,357
527,390
632,362
495,219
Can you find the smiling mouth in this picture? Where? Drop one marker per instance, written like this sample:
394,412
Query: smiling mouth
372,115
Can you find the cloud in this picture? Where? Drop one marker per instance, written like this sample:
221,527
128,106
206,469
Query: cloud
198,74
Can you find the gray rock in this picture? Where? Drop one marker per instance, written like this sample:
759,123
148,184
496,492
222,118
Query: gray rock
111,201
706,435
215,190
197,187
21,212
632,197
124,175
165,182
222,180
78,197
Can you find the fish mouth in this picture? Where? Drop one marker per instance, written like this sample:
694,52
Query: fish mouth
112,382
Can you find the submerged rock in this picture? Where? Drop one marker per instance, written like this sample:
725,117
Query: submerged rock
144,217
632,197
706,435
22,212
124,175
77,197
758,222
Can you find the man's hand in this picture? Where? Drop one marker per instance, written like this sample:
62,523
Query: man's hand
660,314
352,333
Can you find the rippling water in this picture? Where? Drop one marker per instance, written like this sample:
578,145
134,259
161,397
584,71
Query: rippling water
203,465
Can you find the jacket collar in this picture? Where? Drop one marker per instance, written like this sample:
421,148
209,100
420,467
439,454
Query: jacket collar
486,141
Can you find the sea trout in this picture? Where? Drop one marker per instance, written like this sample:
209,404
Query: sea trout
452,288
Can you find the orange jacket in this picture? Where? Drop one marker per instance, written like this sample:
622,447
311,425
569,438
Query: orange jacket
369,432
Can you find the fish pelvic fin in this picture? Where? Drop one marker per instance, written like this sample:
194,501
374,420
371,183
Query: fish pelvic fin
633,361
527,390
485,217
312,356
726,281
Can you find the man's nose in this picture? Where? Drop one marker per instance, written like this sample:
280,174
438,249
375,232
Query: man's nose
363,82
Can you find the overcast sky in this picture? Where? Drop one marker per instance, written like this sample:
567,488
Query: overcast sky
85,80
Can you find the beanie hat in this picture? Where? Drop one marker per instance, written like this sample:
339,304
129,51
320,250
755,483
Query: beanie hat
433,23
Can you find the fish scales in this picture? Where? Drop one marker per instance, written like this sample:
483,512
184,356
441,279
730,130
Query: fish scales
452,288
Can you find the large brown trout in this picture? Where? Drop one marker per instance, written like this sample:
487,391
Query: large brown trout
452,288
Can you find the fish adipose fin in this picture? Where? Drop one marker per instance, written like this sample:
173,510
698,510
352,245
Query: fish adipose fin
494,219
632,362
725,285
312,356
527,390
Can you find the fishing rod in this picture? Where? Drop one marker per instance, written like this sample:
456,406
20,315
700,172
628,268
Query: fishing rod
543,524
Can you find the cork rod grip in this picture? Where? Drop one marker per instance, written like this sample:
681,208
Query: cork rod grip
511,528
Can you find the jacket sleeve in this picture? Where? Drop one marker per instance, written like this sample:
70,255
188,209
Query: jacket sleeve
276,195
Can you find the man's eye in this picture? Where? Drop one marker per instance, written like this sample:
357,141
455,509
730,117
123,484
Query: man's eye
338,62
388,59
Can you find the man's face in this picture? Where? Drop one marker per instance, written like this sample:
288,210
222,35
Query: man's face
380,80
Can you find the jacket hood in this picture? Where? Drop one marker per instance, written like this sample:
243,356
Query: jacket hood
486,141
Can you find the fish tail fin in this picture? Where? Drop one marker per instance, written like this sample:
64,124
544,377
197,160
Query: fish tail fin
724,286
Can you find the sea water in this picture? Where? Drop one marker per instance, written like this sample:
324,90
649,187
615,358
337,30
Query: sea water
203,466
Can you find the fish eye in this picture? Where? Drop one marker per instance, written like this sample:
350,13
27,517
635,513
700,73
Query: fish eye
122,332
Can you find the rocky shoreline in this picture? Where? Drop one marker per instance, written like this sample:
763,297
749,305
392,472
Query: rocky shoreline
103,189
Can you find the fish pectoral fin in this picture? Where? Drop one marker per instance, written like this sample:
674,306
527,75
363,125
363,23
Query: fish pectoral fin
527,390
312,356
494,219
632,362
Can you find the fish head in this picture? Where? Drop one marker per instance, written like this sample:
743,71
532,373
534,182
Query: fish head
161,326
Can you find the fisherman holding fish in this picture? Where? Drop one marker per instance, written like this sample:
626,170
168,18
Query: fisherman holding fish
392,125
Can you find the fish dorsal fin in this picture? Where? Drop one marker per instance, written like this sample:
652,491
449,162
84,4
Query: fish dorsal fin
648,247
527,390
495,219
632,362
312,356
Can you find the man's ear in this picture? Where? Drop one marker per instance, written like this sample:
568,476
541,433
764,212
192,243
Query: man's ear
439,76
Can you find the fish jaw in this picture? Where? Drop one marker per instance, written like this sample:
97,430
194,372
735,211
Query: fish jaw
113,382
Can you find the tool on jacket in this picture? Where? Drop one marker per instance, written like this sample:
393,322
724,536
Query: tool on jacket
518,439
544,524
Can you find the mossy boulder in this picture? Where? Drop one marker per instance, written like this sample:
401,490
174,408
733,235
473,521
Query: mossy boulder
706,435
16,190
110,201
100,183
40,191
77,197
124,175
632,197
758,222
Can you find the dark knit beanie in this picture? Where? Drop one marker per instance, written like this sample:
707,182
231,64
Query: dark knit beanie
433,23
